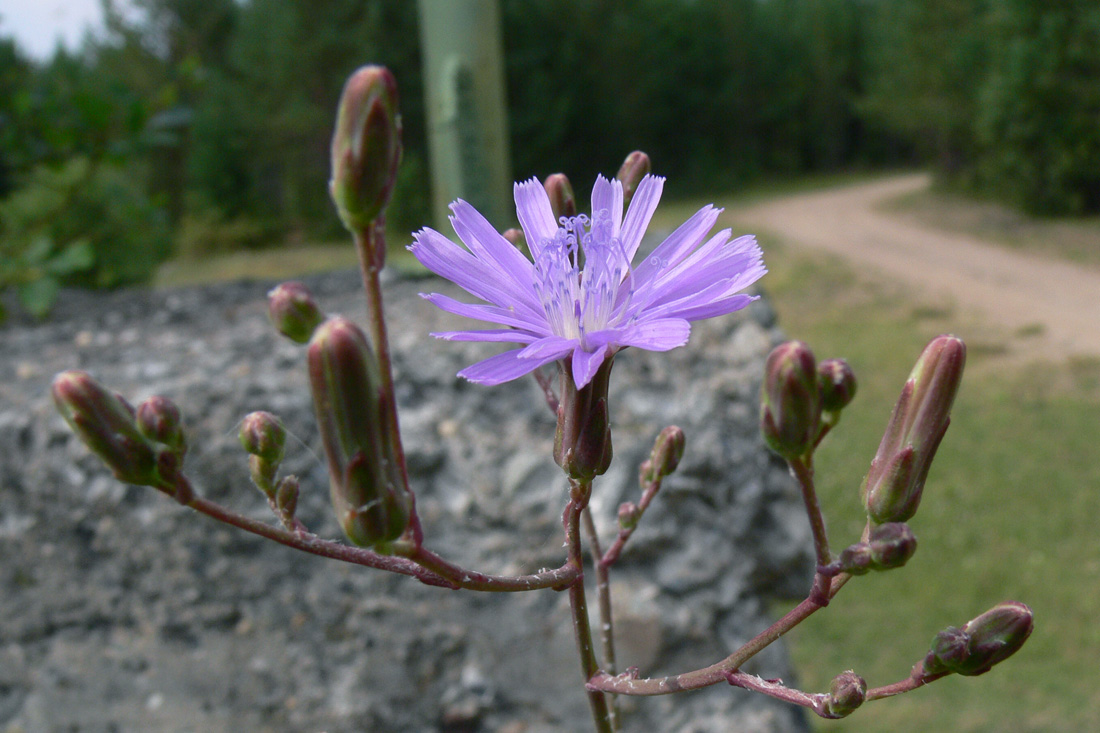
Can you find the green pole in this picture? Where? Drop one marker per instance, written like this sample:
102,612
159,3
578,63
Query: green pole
465,103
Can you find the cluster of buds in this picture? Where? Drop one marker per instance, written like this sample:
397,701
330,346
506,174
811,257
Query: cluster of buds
145,446
982,642
801,399
888,546
894,484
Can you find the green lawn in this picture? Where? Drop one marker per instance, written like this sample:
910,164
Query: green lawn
1009,512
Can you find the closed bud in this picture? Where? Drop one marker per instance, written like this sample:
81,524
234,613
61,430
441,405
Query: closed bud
293,311
983,642
562,200
891,545
846,693
263,435
837,382
582,444
158,418
668,449
106,423
790,414
515,236
366,147
366,469
286,496
856,559
633,170
895,482
628,515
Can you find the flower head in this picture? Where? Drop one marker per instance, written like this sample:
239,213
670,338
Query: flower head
580,296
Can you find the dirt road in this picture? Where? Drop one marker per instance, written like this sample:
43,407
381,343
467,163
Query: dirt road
1012,291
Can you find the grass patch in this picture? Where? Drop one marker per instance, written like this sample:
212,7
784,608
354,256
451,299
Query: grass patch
1008,513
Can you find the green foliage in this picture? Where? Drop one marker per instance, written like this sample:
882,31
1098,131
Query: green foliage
1040,112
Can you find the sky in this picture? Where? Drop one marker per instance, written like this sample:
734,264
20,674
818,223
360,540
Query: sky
37,25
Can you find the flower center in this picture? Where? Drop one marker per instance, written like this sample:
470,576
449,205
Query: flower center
579,275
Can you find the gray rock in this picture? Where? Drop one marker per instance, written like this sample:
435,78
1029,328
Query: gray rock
121,611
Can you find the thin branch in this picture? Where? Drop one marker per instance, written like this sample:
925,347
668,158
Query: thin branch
603,600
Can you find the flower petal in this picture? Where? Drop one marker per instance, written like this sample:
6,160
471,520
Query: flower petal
658,334
642,206
490,313
678,244
586,364
488,245
608,196
535,215
501,368
549,348
507,335
448,260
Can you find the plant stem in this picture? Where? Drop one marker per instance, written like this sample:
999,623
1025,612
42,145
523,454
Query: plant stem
803,471
558,579
603,599
582,630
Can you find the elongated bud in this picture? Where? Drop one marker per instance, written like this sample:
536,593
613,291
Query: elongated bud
983,642
846,693
562,200
158,418
790,414
293,311
633,170
667,451
366,147
582,444
894,484
367,479
106,423
837,382
286,496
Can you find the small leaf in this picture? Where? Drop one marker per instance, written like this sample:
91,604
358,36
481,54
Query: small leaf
76,256
39,250
38,296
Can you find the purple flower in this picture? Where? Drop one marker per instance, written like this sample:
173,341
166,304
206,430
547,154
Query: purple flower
581,297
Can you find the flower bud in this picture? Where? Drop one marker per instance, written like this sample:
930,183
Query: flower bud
366,147
668,449
891,545
582,444
366,469
856,559
628,515
791,409
983,642
894,484
837,382
158,418
106,423
263,435
286,496
633,170
293,311
515,236
846,694
562,200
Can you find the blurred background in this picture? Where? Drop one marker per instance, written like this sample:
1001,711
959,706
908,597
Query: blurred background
187,140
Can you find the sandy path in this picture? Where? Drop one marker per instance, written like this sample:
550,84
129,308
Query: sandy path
1003,288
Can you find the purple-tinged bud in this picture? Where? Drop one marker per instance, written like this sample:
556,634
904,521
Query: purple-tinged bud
158,418
106,423
894,484
668,449
582,444
837,382
263,435
562,200
891,545
515,236
366,147
846,693
293,311
856,559
628,515
790,415
633,170
286,496
983,642
367,474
